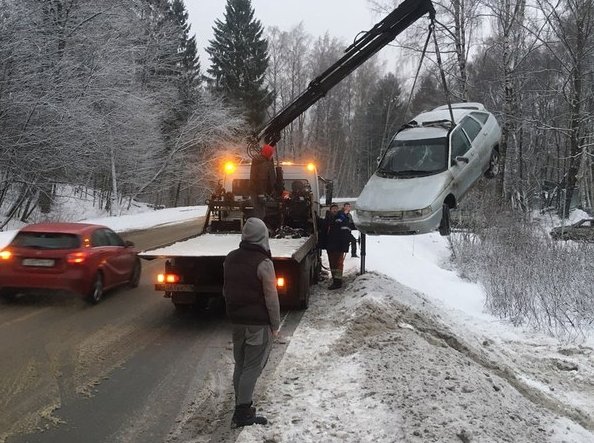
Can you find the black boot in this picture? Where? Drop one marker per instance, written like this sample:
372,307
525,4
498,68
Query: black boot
336,283
245,415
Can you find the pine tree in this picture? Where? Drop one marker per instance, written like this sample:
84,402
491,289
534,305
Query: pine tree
189,65
239,59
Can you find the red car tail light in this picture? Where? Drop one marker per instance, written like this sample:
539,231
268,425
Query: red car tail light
5,255
76,257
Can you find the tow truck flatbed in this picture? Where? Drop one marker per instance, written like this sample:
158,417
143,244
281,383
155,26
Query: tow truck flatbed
219,245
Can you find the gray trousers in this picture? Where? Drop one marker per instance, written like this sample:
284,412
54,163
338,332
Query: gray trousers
251,348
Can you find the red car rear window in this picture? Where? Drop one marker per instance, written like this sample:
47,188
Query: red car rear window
46,240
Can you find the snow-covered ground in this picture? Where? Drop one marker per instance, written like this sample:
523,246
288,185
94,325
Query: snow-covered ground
407,353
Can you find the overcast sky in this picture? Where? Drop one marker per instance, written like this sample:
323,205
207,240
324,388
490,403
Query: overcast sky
341,18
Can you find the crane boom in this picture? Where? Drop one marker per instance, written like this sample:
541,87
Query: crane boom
358,53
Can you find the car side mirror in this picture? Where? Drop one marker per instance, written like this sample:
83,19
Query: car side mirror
462,159
129,244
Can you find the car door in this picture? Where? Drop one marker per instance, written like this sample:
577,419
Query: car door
103,256
460,146
477,155
122,259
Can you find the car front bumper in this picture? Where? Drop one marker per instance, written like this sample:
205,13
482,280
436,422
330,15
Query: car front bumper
389,223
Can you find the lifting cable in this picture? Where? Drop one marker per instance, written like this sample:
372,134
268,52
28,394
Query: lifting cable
431,28
441,71
443,78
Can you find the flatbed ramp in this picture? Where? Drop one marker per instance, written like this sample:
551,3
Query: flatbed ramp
219,245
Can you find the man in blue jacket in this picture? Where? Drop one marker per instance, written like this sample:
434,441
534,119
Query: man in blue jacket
337,244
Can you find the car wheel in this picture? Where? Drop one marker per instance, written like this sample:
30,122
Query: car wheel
494,164
444,225
135,276
96,292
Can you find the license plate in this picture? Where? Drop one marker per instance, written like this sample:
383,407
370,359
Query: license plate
44,262
171,287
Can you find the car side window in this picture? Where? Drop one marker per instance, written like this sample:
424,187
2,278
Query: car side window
460,144
480,116
114,239
99,238
471,127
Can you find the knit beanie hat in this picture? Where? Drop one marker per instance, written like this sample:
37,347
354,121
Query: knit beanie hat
255,232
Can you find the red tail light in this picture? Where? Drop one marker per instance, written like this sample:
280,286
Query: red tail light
5,255
280,282
76,257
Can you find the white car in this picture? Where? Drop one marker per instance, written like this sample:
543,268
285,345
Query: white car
429,166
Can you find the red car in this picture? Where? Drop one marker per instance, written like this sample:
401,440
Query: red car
81,258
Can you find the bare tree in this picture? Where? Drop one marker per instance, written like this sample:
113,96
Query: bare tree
288,76
573,29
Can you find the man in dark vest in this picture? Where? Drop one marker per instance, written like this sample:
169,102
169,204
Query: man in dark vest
253,307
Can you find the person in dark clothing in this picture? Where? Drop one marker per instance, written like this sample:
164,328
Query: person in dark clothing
337,243
262,180
252,305
346,209
298,206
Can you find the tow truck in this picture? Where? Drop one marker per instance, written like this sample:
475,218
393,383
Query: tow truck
194,267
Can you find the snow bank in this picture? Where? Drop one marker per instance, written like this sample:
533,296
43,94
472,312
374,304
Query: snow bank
383,361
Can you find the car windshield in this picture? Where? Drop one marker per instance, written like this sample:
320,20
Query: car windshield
46,240
415,157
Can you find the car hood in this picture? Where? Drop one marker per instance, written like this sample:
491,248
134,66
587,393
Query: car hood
401,194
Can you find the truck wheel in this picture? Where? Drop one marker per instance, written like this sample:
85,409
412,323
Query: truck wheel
316,272
304,303
305,282
135,276
444,225
96,292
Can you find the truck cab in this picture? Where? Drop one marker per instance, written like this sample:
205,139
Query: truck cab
296,203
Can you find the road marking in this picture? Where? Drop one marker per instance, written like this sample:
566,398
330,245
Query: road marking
23,318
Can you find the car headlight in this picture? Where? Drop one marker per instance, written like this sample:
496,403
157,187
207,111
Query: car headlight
417,213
